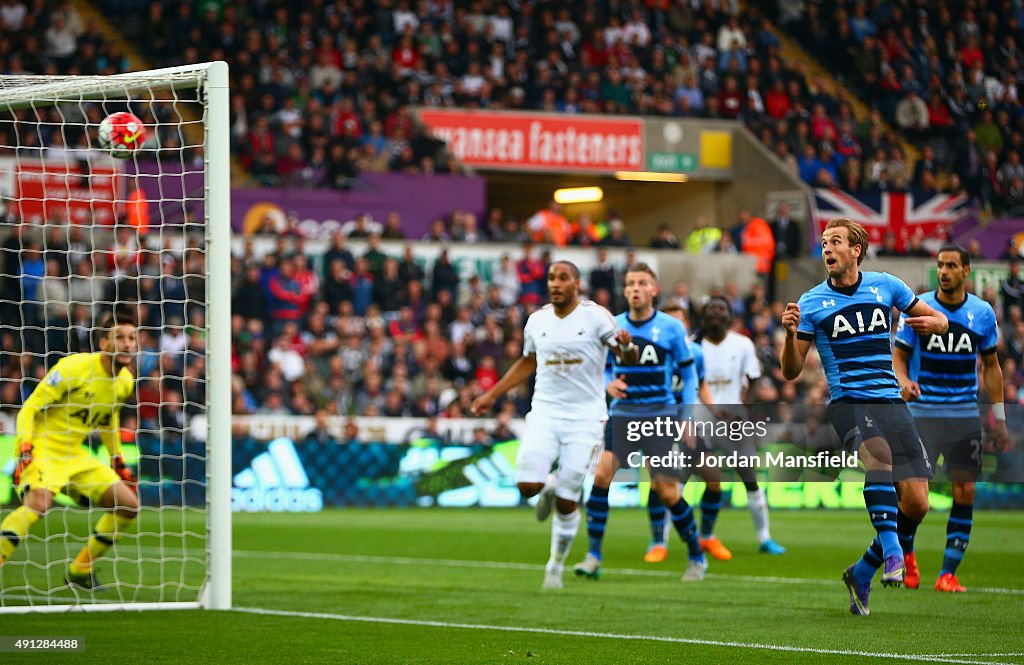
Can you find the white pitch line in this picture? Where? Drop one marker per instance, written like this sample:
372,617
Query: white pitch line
513,565
614,636
977,655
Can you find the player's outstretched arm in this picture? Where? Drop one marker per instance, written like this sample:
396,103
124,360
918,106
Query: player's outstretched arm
794,349
992,375
516,374
910,390
925,320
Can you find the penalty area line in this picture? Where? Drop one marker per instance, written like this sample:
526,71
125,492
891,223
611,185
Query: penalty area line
932,658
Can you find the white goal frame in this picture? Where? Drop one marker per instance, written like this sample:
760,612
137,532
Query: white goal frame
215,592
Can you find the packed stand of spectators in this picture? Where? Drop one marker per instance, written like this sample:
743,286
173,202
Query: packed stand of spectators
322,90
48,37
947,75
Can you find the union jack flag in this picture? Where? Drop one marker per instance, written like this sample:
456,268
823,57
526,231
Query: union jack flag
903,213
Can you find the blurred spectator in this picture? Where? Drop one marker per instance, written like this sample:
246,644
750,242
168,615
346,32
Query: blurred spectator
445,276
585,232
437,232
374,256
249,299
363,226
361,281
703,238
912,114
756,239
387,289
393,227
532,276
916,246
889,248
1012,288
338,251
549,226
288,301
616,236
665,239
506,277
788,238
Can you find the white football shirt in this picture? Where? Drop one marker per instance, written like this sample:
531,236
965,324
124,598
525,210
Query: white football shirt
571,354
729,367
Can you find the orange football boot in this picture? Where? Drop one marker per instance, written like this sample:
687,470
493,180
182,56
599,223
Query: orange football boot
715,548
947,582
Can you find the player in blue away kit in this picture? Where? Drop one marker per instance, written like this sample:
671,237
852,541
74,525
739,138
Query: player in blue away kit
848,317
687,393
643,391
938,377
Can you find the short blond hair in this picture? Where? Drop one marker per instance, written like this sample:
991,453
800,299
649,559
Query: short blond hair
856,233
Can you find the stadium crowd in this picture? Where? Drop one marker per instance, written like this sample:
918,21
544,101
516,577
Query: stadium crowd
322,90
947,75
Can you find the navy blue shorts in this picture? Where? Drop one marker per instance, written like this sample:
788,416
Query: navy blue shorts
624,434
856,422
958,440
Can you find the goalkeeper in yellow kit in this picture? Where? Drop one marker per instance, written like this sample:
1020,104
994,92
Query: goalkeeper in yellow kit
82,393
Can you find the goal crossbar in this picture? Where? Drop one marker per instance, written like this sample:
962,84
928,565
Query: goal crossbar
49,90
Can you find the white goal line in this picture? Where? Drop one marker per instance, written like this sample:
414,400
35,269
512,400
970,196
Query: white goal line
932,658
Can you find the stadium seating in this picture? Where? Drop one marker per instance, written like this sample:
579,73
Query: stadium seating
946,75
317,87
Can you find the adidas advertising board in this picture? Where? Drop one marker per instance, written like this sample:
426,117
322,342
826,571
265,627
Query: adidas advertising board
275,482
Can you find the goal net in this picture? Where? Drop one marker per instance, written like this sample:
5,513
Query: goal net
83,234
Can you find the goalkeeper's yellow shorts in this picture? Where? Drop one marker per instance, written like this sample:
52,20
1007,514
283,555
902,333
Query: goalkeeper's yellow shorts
77,474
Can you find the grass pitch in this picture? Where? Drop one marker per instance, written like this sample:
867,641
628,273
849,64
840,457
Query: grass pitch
463,586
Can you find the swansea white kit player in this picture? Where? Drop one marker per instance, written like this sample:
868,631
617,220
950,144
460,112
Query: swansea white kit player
566,343
730,365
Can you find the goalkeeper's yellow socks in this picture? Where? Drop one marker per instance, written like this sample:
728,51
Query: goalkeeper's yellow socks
108,530
15,527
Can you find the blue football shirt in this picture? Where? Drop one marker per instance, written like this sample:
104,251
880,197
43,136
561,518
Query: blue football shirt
851,328
664,352
946,366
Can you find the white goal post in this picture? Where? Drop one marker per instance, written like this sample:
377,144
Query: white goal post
178,554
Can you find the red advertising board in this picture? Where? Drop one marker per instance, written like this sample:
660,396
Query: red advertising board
538,141
65,190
